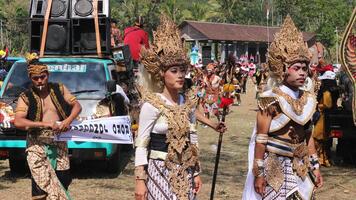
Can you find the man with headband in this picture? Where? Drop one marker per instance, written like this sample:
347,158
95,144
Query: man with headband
44,110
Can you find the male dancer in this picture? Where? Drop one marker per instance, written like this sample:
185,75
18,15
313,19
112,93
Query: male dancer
212,88
44,110
283,163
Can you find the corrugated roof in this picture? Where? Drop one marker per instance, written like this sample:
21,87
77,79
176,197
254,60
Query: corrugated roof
237,32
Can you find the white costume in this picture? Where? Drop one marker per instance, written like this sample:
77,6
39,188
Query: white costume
286,165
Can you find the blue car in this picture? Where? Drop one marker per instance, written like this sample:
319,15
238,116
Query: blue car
87,79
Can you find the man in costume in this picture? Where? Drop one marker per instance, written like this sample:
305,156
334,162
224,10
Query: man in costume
166,158
212,84
44,110
283,163
327,101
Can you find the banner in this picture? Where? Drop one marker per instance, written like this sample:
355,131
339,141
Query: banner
109,130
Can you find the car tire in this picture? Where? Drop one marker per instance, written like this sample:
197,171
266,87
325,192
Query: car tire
113,164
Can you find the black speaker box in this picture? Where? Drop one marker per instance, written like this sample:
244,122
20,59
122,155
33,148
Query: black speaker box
84,39
59,9
206,55
85,8
58,36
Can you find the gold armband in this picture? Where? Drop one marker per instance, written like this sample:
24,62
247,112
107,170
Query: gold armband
21,109
71,100
261,138
140,173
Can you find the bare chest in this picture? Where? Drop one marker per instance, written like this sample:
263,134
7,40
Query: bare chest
49,111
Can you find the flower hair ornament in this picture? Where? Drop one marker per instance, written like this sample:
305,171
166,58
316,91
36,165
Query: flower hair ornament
287,48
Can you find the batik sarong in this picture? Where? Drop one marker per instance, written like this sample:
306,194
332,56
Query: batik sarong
158,185
47,159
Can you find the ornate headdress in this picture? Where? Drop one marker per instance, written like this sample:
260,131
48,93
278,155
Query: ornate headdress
167,49
287,48
348,56
34,66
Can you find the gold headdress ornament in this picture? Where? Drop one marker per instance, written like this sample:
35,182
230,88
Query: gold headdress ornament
167,49
34,67
348,56
287,48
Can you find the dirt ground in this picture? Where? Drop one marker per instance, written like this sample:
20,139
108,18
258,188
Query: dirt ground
91,183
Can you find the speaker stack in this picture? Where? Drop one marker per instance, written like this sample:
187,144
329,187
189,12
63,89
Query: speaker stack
71,29
206,55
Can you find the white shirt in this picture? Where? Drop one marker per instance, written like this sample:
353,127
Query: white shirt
151,122
121,91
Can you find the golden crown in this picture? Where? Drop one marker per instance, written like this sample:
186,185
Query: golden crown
167,49
287,48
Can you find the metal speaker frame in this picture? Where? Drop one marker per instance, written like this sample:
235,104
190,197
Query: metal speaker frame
58,36
85,8
59,9
83,36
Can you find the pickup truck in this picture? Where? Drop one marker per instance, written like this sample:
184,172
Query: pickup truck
87,79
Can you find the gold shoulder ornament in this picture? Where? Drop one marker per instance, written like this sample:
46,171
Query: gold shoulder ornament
348,56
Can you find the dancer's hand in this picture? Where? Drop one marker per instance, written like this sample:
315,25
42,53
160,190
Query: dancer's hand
318,178
197,184
140,190
52,125
260,184
220,127
64,125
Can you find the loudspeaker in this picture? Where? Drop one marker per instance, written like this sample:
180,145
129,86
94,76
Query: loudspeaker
59,9
122,54
83,36
206,55
58,36
85,8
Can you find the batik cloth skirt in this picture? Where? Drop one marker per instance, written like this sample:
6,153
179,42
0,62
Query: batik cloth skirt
158,185
293,187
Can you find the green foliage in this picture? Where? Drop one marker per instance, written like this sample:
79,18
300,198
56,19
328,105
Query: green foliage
15,29
319,16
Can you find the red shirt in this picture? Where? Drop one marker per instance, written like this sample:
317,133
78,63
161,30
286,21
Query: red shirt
135,37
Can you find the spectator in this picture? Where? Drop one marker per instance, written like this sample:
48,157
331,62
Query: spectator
115,34
136,37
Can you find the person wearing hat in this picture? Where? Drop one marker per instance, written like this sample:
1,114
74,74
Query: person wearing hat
283,163
327,99
136,38
44,110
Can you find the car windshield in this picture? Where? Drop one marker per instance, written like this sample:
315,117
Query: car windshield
85,80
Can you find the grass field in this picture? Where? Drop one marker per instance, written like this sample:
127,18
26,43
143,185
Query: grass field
89,183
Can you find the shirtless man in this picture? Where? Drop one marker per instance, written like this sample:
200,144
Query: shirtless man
212,88
44,110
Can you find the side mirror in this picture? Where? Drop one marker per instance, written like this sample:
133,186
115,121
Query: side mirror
111,86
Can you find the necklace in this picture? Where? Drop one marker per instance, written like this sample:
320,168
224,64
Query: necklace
297,104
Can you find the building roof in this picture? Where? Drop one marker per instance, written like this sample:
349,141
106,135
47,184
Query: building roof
195,30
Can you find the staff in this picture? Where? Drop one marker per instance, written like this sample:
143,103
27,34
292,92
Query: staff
217,156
